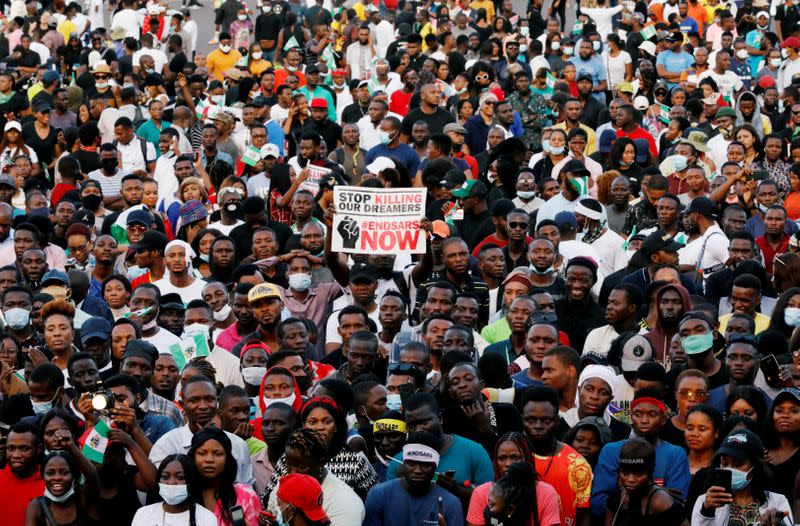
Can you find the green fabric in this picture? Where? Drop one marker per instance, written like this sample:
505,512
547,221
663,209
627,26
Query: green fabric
497,331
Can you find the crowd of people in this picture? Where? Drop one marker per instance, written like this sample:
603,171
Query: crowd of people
600,327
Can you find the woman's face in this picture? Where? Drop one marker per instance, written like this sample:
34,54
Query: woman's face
150,195
58,333
57,476
173,474
587,443
210,459
51,442
83,113
321,421
726,461
467,110
632,480
507,454
745,137
569,73
278,386
115,294
690,392
557,139
707,91
8,353
678,98
700,433
192,191
12,136
443,72
120,336
629,154
741,407
786,417
205,243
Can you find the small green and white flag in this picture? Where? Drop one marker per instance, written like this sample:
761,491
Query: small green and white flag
550,80
193,346
198,109
96,443
627,241
663,113
291,43
251,156
581,184
648,32
577,29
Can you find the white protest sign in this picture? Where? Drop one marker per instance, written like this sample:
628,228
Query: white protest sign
315,175
378,220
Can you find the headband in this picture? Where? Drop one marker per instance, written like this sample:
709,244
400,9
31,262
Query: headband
389,425
649,400
635,463
420,453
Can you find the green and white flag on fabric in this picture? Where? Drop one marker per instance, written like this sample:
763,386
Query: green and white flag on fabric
193,346
663,113
550,80
328,57
119,230
198,109
577,29
251,156
291,43
95,446
627,241
581,184
648,32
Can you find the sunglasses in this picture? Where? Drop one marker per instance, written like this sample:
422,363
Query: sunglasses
795,112
401,367
101,77
485,76
514,225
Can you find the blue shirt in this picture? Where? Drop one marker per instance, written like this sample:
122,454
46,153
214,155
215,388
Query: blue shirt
467,458
521,379
671,471
389,504
155,426
717,398
688,26
276,135
674,62
150,132
594,66
403,153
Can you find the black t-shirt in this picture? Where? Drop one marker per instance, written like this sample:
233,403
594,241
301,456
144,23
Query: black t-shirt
243,236
267,28
178,62
436,121
353,112
316,15
474,228
557,289
44,147
89,161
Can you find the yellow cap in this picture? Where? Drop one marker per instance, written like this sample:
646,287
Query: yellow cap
262,291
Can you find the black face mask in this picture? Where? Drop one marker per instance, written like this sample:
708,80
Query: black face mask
110,165
92,202
234,209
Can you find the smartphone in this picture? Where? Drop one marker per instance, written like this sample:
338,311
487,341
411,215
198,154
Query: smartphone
772,370
758,175
406,390
237,516
450,473
722,478
194,156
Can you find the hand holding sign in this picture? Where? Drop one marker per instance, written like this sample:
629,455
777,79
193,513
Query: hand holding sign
349,231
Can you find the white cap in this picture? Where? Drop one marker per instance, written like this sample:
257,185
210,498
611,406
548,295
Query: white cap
13,125
648,46
379,165
270,150
641,103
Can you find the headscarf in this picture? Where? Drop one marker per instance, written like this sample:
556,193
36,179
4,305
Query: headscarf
189,255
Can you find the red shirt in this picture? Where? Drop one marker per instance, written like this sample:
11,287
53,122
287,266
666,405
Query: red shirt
641,133
399,102
23,491
58,192
470,160
770,253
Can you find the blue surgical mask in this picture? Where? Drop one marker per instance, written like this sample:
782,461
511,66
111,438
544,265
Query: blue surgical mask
173,494
556,150
41,408
205,257
546,145
300,281
17,318
739,478
526,194
697,343
394,402
679,162
791,316
384,137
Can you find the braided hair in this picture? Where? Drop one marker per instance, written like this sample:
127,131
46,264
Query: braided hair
309,444
519,482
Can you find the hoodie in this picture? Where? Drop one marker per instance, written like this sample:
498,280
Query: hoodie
661,337
760,122
296,404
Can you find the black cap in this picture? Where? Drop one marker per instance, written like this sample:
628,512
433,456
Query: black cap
152,240
363,271
453,179
142,349
172,300
576,167
703,206
659,240
742,444
313,68
584,75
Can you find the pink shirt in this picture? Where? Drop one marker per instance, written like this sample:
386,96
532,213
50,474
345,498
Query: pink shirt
229,337
546,504
248,500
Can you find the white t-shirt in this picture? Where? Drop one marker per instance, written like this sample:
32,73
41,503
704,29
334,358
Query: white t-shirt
129,21
599,340
609,246
715,253
192,292
615,67
132,158
164,174
340,502
728,83
225,229
331,334
162,339
154,514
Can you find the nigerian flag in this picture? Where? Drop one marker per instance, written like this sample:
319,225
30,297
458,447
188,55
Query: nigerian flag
193,346
648,32
581,184
550,80
119,230
251,156
663,113
95,446
290,44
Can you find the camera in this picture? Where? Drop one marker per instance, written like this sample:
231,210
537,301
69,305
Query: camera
102,398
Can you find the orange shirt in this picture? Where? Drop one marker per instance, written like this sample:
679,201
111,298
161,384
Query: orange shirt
571,476
700,15
792,205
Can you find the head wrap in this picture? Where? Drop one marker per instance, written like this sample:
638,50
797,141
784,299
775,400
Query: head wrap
389,425
420,453
649,400
603,372
190,255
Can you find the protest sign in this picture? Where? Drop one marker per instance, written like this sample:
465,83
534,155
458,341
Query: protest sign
315,175
378,220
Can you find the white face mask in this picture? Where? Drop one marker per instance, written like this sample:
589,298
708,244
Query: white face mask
785,53
223,313
242,17
300,281
60,498
17,318
224,49
741,54
266,8
596,45
173,494
101,85
253,375
568,50
219,100
555,46
289,400
196,328
775,62
257,55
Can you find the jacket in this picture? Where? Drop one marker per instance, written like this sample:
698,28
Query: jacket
721,515
661,337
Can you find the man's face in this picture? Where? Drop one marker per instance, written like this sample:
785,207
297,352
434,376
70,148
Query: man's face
132,191
671,306
295,337
541,254
539,421
439,301
33,264
519,314
200,403
741,362
308,150
618,309
740,250
586,49
774,222
361,356
456,339
464,384
734,221
557,374
573,111
83,375
166,374
23,240
744,300
419,132
667,212
363,290
64,212
466,311
541,338
138,367
351,324
264,245
267,311
22,452
391,312
434,335
579,282
594,395
492,262
276,426
647,420
456,258
234,412
767,195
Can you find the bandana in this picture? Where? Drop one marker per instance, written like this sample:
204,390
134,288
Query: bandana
649,400
420,453
389,425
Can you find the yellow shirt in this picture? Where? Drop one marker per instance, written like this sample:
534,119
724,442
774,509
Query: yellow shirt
219,62
257,67
66,27
485,4
361,11
762,322
591,144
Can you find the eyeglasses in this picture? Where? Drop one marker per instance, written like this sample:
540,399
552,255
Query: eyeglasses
401,368
795,112
101,77
692,395
484,76
514,224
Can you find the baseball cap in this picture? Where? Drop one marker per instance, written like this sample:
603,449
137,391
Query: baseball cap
453,178
470,188
7,180
234,74
319,103
313,68
142,349
55,275
303,492
584,75
13,125
698,139
636,351
142,217
363,271
42,106
455,127
659,240
576,167
625,87
704,206
264,291
440,228
790,393
151,240
50,76
742,444
565,218
95,327
641,103
380,164
649,47
172,300
607,139
792,42
270,150
726,111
